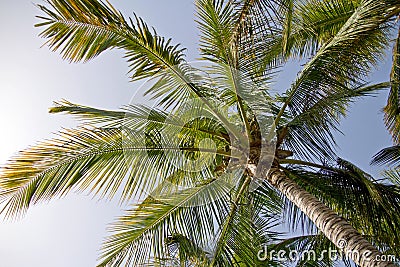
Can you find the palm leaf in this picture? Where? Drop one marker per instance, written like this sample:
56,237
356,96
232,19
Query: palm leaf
306,26
348,62
392,118
316,80
99,160
135,116
247,226
144,232
84,29
79,37
309,134
388,155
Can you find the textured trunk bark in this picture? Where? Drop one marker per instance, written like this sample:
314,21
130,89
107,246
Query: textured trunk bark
334,227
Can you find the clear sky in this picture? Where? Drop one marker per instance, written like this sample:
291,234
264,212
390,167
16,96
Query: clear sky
68,232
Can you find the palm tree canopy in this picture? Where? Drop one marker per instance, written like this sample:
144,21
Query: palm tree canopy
186,160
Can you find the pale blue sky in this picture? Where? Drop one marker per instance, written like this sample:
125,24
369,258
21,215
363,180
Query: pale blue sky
69,232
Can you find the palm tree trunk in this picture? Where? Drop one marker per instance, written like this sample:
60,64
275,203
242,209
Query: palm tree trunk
334,227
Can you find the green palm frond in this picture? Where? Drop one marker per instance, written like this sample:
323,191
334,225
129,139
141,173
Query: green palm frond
392,113
307,26
310,134
247,226
98,160
348,62
136,116
215,21
144,232
176,227
344,55
81,37
81,30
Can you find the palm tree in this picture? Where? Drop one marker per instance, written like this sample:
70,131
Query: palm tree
212,162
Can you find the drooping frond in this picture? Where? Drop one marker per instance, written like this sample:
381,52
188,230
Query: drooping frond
80,158
370,206
392,109
81,30
79,36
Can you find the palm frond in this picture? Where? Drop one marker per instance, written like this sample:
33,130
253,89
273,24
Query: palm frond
78,158
79,36
393,175
388,155
257,23
345,56
81,30
187,251
96,159
215,21
247,226
392,109
310,134
306,26
144,232
134,116
242,236
348,62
